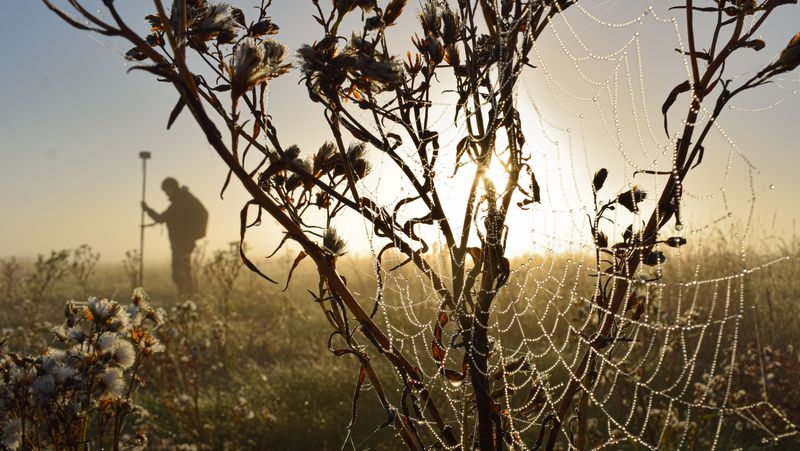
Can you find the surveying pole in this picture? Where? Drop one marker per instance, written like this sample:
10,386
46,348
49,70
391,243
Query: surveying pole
144,155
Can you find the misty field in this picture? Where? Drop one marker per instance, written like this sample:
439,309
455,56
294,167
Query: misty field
458,224
245,365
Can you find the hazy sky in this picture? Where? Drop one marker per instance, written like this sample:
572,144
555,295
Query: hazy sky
72,123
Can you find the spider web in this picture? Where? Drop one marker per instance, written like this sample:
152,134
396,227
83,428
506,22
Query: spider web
670,384
671,381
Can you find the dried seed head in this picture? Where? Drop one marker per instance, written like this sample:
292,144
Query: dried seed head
392,11
255,62
333,242
452,56
294,181
321,162
382,75
430,18
451,26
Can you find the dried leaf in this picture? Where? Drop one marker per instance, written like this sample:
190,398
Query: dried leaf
362,374
755,44
671,98
176,111
135,54
475,253
437,348
536,190
242,231
297,260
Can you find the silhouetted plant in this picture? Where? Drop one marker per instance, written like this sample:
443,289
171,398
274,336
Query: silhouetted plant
380,102
131,266
82,265
12,275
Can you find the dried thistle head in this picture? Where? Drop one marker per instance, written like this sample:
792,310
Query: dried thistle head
357,156
451,26
333,242
255,62
321,161
377,75
294,180
431,18
216,21
325,68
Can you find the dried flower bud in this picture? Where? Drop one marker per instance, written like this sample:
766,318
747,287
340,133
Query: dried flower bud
630,199
790,56
655,258
676,241
392,11
265,27
431,47
599,179
601,240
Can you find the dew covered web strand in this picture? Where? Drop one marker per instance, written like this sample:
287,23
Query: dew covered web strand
676,366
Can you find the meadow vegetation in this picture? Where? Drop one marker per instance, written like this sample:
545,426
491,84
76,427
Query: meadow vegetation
244,364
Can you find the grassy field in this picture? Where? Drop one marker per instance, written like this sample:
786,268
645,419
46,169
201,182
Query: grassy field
246,365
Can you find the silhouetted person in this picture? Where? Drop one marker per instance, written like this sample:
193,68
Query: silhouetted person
186,220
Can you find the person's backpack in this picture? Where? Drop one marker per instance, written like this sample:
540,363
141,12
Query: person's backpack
197,218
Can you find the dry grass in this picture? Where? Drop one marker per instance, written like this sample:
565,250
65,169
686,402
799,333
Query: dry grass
246,364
